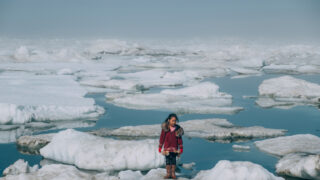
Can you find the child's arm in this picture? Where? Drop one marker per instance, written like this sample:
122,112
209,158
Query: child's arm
161,141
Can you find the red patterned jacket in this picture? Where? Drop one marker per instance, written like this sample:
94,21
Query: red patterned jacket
171,140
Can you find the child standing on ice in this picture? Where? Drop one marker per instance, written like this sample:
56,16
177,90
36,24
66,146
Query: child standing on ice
171,139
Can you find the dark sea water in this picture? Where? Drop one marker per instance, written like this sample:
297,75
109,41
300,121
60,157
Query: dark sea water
297,120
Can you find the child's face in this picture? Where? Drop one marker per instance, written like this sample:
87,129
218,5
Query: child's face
172,121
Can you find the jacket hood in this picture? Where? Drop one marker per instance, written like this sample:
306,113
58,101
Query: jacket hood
179,130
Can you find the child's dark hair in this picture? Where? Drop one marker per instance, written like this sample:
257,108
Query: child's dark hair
171,116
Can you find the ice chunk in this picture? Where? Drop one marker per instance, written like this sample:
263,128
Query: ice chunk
301,154
59,172
20,166
300,165
288,86
287,91
281,146
9,133
32,144
237,147
188,166
27,98
143,80
87,151
201,98
240,170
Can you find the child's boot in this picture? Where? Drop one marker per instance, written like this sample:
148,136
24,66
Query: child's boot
168,167
173,171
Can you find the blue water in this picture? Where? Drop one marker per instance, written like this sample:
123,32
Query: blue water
298,120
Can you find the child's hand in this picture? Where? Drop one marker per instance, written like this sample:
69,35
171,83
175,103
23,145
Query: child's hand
159,149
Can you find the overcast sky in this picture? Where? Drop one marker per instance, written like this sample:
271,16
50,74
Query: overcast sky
162,18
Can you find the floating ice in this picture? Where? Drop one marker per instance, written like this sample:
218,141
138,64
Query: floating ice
58,172
20,166
32,144
213,129
96,153
301,154
300,165
287,91
240,170
201,98
281,146
188,166
27,98
237,147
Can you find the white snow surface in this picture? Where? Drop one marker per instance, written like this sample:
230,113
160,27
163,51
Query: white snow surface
287,91
300,143
20,166
27,98
199,98
91,152
58,172
240,170
302,165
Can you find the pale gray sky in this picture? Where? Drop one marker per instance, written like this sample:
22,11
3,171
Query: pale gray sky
163,18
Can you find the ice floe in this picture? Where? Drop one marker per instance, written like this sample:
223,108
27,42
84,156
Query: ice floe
188,166
27,98
299,154
240,148
52,172
200,98
90,152
32,144
240,170
302,165
10,132
20,166
287,91
281,146
212,129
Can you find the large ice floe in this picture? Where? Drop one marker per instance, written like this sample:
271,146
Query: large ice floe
30,103
299,154
27,98
281,146
143,80
91,152
21,170
240,170
200,98
287,91
212,129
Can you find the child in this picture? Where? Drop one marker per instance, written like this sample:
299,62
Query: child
171,139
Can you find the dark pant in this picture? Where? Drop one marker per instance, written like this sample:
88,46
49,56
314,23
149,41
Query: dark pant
171,158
